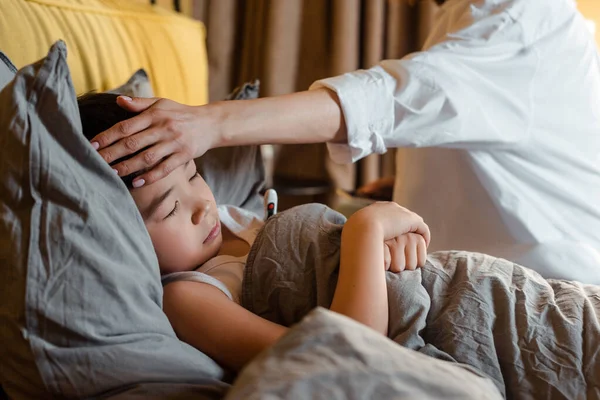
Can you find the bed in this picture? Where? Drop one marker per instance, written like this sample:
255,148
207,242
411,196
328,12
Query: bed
532,337
81,298
80,307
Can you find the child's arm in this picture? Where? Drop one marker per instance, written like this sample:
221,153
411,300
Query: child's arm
207,319
204,317
361,291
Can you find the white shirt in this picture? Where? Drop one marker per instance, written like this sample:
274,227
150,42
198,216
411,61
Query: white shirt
503,105
225,272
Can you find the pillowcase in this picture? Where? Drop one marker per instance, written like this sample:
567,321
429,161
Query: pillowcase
137,86
7,70
236,175
80,295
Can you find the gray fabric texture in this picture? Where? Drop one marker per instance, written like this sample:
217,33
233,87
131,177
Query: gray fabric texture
167,391
7,70
80,294
7,73
534,338
137,86
236,175
328,356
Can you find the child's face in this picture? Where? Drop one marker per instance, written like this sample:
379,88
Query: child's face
181,216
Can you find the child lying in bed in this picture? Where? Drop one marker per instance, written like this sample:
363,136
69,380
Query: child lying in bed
202,250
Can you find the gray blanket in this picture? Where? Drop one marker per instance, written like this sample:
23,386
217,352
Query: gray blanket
534,338
328,356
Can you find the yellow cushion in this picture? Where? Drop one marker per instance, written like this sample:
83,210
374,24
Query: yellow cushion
108,40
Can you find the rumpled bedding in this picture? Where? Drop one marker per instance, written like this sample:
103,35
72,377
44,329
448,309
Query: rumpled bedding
534,338
329,356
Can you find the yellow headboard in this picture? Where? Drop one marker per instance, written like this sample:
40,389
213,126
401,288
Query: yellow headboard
108,40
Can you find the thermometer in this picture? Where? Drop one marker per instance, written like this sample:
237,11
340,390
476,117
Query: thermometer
270,203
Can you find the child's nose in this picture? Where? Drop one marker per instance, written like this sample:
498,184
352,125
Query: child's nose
201,210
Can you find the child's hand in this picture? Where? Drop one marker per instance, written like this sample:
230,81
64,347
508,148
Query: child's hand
361,291
407,251
391,219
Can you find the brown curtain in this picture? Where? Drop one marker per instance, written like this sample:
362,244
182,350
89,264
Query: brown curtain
288,44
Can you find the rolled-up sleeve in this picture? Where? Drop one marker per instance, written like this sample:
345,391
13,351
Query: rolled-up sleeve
367,101
465,92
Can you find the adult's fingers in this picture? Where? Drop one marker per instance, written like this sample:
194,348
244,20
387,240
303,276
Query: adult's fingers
161,170
132,144
120,130
136,104
146,159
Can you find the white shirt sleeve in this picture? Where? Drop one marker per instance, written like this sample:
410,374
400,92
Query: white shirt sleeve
472,87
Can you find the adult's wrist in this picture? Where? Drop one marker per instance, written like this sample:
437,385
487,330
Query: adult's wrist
211,119
303,117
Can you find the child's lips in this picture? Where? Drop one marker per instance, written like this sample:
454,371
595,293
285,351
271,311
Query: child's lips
213,233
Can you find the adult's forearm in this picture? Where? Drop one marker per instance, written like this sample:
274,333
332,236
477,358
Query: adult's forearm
361,291
304,117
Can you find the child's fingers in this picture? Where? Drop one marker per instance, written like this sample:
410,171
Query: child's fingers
398,258
410,254
387,257
422,253
423,230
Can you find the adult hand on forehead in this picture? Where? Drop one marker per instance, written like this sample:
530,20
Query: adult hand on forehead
170,134
167,130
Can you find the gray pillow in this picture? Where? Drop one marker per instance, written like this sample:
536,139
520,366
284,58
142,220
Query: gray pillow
7,70
137,86
80,295
7,73
236,175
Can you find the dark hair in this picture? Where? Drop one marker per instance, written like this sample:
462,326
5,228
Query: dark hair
100,111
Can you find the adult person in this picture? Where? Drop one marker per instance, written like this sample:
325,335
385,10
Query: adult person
503,104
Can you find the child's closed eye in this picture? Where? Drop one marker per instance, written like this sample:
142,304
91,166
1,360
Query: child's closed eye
174,211
176,208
